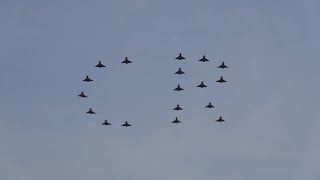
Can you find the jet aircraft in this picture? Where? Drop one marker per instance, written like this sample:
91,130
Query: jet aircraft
221,80
222,66
178,108
179,72
126,124
126,61
180,57
178,88
220,119
204,59
209,105
202,85
100,65
90,111
82,95
87,79
176,121
106,123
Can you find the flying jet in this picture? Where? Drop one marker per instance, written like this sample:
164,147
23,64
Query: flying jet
126,124
126,61
220,119
106,123
179,72
178,88
90,111
221,80
100,65
209,105
204,59
82,95
222,66
202,85
180,57
178,108
87,79
176,121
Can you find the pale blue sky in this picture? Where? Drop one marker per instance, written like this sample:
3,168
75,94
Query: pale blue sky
270,102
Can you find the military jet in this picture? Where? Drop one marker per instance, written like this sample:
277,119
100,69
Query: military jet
100,65
126,61
178,88
221,80
222,66
176,121
209,105
202,85
220,119
106,123
90,111
126,124
204,59
178,108
180,57
82,95
87,79
179,72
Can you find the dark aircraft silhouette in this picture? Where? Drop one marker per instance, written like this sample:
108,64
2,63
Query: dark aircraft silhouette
220,119
178,108
180,57
204,59
99,65
209,105
178,88
126,124
106,123
126,61
179,72
176,121
222,66
87,79
90,111
221,80
202,85
82,95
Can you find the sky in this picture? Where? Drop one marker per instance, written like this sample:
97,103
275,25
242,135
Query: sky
270,100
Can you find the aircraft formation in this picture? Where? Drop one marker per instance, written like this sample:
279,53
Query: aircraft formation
201,85
87,79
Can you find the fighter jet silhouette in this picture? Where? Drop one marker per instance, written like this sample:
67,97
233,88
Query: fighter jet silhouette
106,123
87,79
178,108
204,59
176,121
179,72
220,119
222,66
180,57
202,85
99,65
126,124
178,88
209,105
82,95
126,61
90,111
221,80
